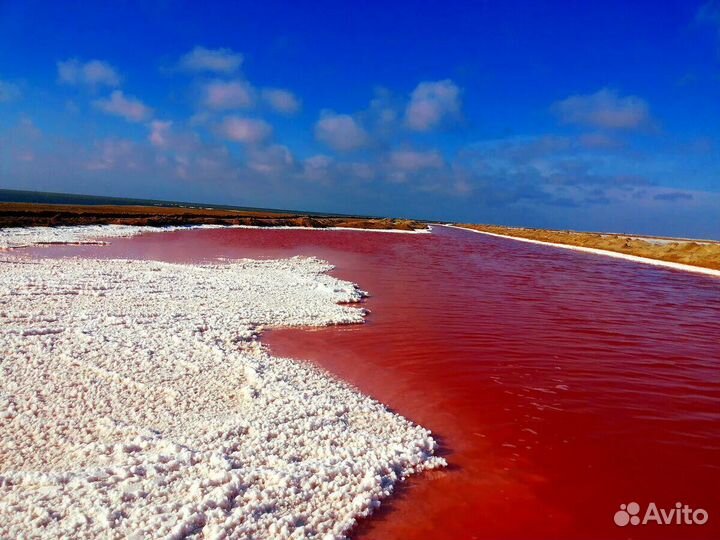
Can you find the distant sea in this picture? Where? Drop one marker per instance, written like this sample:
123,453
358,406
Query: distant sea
42,197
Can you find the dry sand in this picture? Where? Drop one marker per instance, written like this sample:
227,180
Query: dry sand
700,253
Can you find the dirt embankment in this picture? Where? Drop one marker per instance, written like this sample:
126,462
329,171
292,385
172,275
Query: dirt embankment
696,253
52,215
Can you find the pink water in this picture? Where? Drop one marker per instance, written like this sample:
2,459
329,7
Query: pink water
560,384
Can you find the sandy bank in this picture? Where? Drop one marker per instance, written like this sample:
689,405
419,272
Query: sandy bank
136,401
687,255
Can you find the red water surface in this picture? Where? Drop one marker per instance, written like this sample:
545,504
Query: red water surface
560,384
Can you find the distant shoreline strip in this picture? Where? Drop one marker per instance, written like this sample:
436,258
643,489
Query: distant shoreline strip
300,228
596,251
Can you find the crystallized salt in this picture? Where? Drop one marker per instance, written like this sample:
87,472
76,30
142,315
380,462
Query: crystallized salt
136,401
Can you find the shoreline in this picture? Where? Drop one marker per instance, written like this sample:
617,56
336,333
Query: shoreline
14,215
605,252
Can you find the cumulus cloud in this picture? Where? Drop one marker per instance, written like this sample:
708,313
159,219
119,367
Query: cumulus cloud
8,91
282,101
128,107
221,60
227,95
244,130
340,131
431,104
93,74
604,109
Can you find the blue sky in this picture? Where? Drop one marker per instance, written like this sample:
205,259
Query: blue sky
599,116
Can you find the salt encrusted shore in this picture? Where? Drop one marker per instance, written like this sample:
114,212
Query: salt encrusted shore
19,237
137,402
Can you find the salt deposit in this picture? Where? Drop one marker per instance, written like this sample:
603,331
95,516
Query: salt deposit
18,237
136,402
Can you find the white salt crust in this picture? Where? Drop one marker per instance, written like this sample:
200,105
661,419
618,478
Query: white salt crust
18,237
136,402
615,254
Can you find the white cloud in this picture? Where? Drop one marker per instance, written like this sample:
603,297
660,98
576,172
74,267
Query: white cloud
282,101
226,95
404,165
604,109
273,159
221,60
412,160
317,168
128,107
340,131
431,104
93,73
8,91
245,130
160,133
111,154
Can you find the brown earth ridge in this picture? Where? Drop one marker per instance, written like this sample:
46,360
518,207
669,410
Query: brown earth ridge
53,215
703,253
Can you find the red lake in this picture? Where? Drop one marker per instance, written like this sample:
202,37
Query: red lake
559,384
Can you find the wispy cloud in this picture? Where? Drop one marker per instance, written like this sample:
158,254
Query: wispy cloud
200,59
92,74
282,101
673,196
244,130
111,153
431,104
160,133
8,91
709,13
604,109
340,132
273,159
127,107
412,160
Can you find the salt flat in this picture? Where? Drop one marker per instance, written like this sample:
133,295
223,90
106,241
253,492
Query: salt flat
136,401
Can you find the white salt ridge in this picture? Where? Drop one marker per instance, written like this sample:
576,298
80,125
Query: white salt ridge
18,237
136,402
